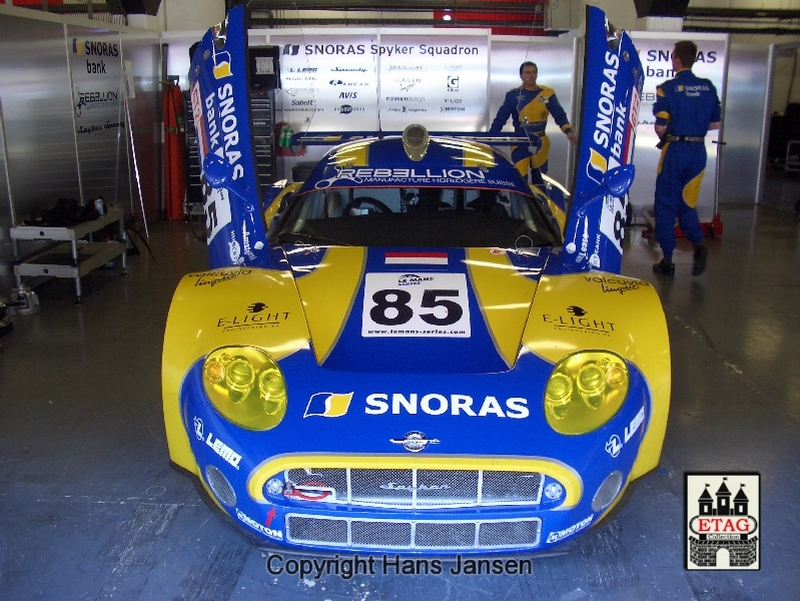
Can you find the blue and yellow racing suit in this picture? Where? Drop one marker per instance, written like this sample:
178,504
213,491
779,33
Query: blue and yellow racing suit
686,105
529,110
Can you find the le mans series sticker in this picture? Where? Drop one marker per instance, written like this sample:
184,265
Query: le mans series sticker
723,521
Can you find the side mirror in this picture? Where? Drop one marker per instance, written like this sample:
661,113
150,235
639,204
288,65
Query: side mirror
216,170
618,181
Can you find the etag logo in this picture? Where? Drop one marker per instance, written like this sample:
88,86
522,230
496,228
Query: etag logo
722,521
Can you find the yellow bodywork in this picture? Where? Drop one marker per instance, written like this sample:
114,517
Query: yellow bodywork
215,308
591,310
596,310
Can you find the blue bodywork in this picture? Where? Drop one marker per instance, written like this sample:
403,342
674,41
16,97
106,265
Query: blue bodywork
461,394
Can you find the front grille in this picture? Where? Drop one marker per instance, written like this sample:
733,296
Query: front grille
408,534
414,488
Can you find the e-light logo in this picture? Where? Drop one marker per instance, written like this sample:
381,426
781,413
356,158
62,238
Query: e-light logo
722,521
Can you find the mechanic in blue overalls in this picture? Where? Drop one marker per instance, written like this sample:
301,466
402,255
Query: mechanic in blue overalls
686,107
529,106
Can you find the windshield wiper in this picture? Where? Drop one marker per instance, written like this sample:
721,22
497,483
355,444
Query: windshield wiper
306,238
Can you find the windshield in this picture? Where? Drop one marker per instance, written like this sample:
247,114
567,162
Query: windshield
416,217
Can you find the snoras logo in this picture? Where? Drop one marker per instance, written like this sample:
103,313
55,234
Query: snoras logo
92,48
597,166
328,404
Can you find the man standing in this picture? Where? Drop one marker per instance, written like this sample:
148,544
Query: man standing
686,107
529,106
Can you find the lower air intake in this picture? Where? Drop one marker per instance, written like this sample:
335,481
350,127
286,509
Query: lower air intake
406,534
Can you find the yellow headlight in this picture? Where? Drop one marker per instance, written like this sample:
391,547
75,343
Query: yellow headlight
246,386
585,390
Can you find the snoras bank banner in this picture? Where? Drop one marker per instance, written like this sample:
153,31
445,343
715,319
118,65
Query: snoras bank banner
611,104
220,106
98,103
370,80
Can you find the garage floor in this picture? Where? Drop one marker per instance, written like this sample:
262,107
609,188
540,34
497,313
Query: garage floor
91,510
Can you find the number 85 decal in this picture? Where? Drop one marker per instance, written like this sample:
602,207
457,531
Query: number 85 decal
436,306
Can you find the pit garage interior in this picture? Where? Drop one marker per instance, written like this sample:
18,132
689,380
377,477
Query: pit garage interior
90,508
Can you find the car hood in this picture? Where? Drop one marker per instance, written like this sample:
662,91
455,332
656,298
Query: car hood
423,311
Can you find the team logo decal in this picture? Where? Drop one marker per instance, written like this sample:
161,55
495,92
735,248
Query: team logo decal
558,535
328,404
222,63
614,445
597,166
414,442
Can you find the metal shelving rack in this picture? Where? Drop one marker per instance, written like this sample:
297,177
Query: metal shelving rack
70,255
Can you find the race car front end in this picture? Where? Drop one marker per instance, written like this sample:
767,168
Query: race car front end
416,351
454,467
383,460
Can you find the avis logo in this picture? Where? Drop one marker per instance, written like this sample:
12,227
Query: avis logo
723,532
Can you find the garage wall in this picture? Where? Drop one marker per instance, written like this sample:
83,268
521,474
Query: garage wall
63,118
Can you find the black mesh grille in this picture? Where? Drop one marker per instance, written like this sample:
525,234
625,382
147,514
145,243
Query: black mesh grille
512,487
318,530
508,534
415,488
410,534
445,535
381,534
220,486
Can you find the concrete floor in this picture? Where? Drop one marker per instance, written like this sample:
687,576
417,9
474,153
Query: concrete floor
90,508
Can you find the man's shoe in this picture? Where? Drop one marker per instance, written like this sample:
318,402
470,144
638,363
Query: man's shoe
664,267
700,259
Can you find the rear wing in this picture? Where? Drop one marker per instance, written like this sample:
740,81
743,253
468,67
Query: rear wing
612,90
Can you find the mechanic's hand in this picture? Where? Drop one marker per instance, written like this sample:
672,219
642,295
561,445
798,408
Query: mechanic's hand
572,137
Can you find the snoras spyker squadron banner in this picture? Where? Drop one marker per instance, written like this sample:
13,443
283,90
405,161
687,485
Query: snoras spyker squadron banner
415,351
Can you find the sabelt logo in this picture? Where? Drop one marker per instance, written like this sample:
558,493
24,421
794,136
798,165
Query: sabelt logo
397,403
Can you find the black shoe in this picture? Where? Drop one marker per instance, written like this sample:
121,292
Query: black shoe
665,267
700,259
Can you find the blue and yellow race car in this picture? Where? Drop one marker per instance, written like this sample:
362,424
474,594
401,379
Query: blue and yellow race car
415,350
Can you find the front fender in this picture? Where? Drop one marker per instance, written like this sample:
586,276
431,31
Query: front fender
598,310
224,307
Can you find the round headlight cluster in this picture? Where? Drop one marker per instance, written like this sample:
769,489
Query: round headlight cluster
246,386
584,391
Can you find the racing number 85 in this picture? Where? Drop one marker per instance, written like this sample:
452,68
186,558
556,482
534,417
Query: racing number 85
392,307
